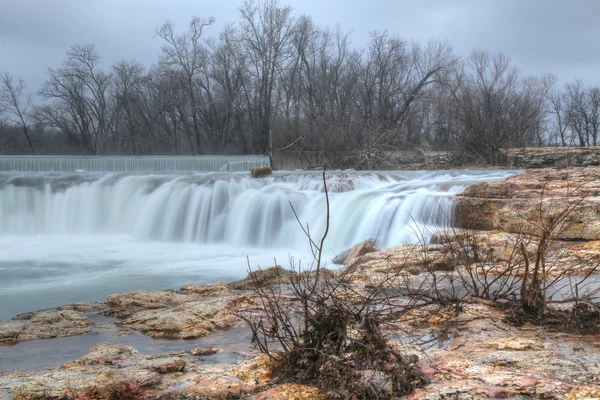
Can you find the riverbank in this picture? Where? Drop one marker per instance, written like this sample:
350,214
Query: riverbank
474,353
427,159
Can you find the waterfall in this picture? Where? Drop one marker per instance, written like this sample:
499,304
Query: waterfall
79,236
132,163
232,208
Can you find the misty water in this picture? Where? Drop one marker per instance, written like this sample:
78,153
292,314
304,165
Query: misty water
78,236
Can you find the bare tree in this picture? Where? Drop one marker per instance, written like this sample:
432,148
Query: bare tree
16,105
496,107
81,106
266,29
184,56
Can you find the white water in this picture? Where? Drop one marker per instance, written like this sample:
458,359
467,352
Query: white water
67,237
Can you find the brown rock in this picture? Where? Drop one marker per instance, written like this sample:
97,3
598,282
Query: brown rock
218,387
410,259
206,351
108,371
52,324
126,304
257,370
213,289
261,172
584,393
188,320
264,277
517,344
289,391
561,157
520,202
9,331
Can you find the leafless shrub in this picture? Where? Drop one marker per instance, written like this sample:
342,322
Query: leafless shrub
518,269
329,328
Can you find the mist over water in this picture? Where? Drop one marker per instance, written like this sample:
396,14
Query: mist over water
78,236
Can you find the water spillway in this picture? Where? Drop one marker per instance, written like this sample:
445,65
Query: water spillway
78,236
132,163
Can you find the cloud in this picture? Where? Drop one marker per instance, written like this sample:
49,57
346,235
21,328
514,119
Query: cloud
540,36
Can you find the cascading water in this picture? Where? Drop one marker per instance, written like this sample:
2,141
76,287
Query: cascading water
68,237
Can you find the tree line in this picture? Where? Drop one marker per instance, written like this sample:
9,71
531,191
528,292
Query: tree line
277,80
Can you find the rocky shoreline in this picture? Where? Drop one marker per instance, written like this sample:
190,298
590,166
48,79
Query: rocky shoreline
470,354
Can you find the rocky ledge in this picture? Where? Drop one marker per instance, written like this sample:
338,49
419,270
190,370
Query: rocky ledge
521,201
558,157
470,355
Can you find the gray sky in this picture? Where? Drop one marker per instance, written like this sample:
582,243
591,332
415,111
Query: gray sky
557,36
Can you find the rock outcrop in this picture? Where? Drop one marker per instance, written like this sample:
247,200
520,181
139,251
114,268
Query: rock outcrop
524,201
558,157
482,357
188,320
43,325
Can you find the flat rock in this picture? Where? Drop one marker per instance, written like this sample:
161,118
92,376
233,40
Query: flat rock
263,277
289,391
44,325
124,305
109,370
189,320
519,202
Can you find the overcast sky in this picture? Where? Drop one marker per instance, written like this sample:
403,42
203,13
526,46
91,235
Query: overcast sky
557,36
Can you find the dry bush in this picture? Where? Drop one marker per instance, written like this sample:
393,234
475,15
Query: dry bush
328,328
520,272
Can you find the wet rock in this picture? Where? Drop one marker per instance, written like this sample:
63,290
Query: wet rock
44,325
51,324
189,320
214,289
109,370
357,254
371,266
261,172
205,351
341,258
124,305
9,331
108,354
264,277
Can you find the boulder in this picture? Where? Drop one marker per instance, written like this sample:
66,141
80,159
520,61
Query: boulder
341,258
261,172
264,277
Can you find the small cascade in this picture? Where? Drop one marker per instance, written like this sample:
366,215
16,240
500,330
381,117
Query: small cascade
132,163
